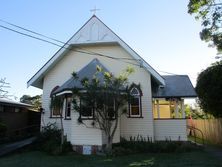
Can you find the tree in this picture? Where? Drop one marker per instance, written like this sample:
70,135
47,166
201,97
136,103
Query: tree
210,14
195,112
35,101
3,86
105,98
209,89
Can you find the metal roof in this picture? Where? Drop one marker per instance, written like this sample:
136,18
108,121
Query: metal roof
176,86
86,72
13,103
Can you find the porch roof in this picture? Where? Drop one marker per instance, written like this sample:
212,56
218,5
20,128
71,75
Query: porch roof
177,86
86,72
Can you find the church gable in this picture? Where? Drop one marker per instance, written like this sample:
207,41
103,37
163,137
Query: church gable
94,31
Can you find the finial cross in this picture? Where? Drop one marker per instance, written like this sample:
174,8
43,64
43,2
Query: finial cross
94,10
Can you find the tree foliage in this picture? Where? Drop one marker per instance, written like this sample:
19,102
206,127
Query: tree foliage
3,88
107,99
35,101
210,14
196,112
209,89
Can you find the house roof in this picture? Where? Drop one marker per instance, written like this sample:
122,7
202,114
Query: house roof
94,31
13,103
86,72
176,86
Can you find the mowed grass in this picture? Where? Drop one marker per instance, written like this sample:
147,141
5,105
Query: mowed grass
40,159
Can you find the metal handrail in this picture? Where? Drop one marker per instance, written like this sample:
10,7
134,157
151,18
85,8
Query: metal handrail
196,129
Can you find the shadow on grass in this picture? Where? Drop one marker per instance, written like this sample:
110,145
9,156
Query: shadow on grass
148,163
38,159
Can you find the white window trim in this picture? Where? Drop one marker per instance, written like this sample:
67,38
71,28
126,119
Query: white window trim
114,105
66,107
130,106
85,117
56,116
61,112
138,94
138,115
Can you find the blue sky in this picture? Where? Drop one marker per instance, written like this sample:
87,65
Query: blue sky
162,32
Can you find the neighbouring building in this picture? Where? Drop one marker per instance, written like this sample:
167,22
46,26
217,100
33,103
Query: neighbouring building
17,116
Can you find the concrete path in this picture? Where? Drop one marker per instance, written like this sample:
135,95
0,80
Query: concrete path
14,146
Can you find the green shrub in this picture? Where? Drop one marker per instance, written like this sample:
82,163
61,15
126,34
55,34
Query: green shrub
118,151
66,147
49,141
142,145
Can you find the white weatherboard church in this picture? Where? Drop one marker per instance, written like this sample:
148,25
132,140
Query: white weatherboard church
158,109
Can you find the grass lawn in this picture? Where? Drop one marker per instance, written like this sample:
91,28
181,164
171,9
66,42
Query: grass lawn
198,140
40,159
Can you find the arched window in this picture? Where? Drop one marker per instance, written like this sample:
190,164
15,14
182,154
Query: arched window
135,107
53,90
55,109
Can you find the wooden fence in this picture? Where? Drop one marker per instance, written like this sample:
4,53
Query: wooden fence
211,128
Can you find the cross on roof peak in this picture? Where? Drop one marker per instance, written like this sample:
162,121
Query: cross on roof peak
94,10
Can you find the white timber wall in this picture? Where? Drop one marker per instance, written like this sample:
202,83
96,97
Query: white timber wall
116,138
132,127
75,61
170,129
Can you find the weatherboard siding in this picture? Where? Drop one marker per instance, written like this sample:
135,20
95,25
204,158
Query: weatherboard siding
84,134
74,61
133,127
170,129
116,138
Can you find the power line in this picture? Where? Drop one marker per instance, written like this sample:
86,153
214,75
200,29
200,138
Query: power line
170,73
21,33
66,45
53,39
28,30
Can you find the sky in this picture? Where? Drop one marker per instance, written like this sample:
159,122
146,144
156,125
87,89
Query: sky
162,32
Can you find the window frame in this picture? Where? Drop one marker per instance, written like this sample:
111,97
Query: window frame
56,115
138,96
86,117
114,108
68,101
52,110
